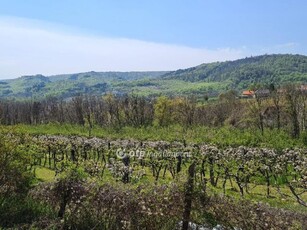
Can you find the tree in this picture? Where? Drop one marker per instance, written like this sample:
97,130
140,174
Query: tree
78,109
277,105
163,111
184,110
15,174
113,111
292,100
229,96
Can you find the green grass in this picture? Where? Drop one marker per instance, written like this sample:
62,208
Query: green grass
44,174
15,210
258,194
222,137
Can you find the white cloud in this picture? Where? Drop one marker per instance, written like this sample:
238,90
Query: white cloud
289,47
31,47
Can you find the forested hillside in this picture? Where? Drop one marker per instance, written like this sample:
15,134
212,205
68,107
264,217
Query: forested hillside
69,85
242,73
206,79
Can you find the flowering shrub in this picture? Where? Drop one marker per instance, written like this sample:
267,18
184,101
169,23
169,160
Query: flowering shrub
83,198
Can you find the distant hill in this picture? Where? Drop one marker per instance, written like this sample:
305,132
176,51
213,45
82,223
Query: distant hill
69,85
244,72
210,79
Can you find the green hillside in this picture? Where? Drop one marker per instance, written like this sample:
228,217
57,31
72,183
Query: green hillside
210,79
69,85
242,73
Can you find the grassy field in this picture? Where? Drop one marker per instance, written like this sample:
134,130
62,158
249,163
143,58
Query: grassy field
222,137
257,192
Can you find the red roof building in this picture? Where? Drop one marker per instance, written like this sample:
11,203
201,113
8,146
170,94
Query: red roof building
248,93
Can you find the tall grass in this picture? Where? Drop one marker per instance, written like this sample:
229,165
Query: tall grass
222,136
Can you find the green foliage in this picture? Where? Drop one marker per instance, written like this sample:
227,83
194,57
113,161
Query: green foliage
210,78
242,73
16,179
65,86
73,172
304,137
163,111
84,197
20,210
220,136
15,173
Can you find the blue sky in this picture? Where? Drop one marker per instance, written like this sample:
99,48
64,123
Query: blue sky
66,36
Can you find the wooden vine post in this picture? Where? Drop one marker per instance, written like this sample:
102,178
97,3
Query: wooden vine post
188,196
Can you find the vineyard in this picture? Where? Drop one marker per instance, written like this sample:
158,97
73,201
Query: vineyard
130,184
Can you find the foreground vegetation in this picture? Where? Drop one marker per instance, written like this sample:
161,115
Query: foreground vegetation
60,182
129,162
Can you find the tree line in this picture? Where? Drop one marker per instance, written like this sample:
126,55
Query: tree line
284,108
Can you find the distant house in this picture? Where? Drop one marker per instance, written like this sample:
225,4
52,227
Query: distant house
247,94
260,93
265,93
